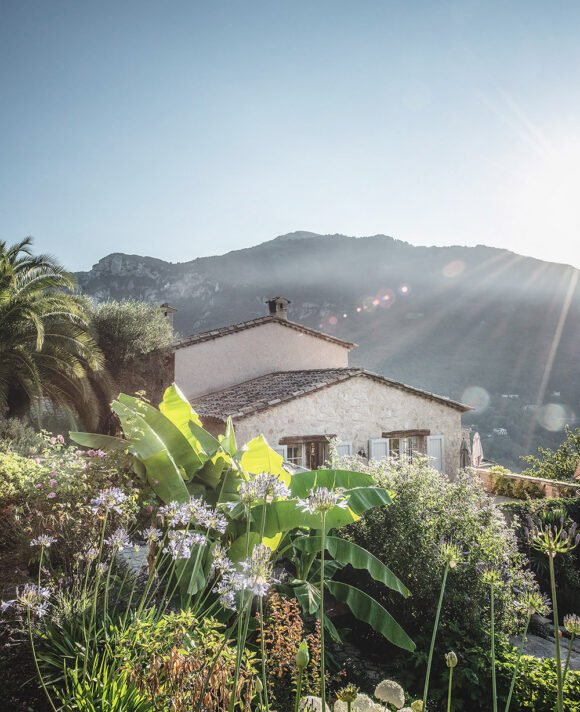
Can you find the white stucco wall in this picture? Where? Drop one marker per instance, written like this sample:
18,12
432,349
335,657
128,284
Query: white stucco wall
356,410
211,365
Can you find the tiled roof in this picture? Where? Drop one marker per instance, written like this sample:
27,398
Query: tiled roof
268,391
233,328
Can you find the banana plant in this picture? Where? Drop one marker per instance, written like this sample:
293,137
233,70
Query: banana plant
178,458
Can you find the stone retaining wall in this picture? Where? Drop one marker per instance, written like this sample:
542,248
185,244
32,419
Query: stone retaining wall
511,484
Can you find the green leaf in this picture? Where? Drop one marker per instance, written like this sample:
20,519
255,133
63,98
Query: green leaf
302,482
180,448
210,473
308,596
207,441
361,499
331,628
99,442
370,611
348,553
286,515
162,473
178,409
228,440
259,457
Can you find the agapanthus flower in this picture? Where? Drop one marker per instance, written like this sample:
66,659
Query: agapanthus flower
91,554
312,704
102,567
179,543
572,624
535,602
119,540
264,487
152,535
43,540
256,575
450,553
34,599
489,573
451,659
109,500
322,500
221,562
226,591
212,519
249,492
552,539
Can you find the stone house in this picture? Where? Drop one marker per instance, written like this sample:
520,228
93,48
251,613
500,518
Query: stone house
294,384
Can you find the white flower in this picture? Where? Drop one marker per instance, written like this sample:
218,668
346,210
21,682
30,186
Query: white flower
257,571
119,540
312,704
390,692
152,535
321,500
109,499
33,598
43,540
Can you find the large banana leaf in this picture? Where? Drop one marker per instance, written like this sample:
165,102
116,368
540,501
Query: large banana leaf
99,442
181,450
303,482
207,441
362,499
162,473
370,611
179,411
228,439
348,553
259,457
285,515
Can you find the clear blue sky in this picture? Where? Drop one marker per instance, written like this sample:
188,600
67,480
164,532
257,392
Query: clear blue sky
179,128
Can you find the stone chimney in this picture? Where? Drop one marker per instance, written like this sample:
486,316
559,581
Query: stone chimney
168,311
278,307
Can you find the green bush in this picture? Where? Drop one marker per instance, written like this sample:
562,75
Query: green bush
557,464
535,687
18,477
20,438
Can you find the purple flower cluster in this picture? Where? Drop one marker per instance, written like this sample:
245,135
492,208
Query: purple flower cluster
254,575
32,599
119,540
109,500
195,512
322,500
265,488
180,543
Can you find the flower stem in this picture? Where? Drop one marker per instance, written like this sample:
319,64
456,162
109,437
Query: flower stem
322,667
493,679
449,691
560,700
514,676
298,691
432,648
567,660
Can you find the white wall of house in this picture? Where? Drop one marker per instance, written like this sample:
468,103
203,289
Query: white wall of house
356,410
227,360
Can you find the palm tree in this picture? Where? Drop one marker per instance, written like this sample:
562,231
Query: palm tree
46,347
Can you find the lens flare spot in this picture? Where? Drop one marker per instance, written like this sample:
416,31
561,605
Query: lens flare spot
333,321
554,416
359,309
376,302
454,269
344,316
475,396
404,289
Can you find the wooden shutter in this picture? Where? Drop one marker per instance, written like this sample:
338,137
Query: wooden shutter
378,448
435,450
344,448
281,450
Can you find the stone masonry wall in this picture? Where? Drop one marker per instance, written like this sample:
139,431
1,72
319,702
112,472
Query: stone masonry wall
356,410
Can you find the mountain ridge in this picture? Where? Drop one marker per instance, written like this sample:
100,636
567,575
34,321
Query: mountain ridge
447,319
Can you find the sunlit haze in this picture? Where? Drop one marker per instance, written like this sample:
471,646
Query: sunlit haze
182,129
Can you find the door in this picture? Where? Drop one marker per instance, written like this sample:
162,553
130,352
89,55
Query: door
435,451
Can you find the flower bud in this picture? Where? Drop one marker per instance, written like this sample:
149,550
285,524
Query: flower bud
302,656
451,659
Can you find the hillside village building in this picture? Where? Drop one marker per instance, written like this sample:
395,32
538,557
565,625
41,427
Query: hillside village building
294,384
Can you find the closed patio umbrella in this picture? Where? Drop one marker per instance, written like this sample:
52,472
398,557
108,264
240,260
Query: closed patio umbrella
464,456
476,451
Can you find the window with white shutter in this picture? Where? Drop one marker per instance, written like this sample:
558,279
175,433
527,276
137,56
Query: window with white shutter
343,448
435,450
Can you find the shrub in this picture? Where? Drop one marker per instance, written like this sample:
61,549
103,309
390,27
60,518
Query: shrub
557,464
169,660
20,438
535,687
283,633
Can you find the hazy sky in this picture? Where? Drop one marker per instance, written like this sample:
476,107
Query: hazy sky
179,128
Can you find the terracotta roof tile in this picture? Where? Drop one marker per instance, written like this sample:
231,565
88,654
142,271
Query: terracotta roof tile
268,391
